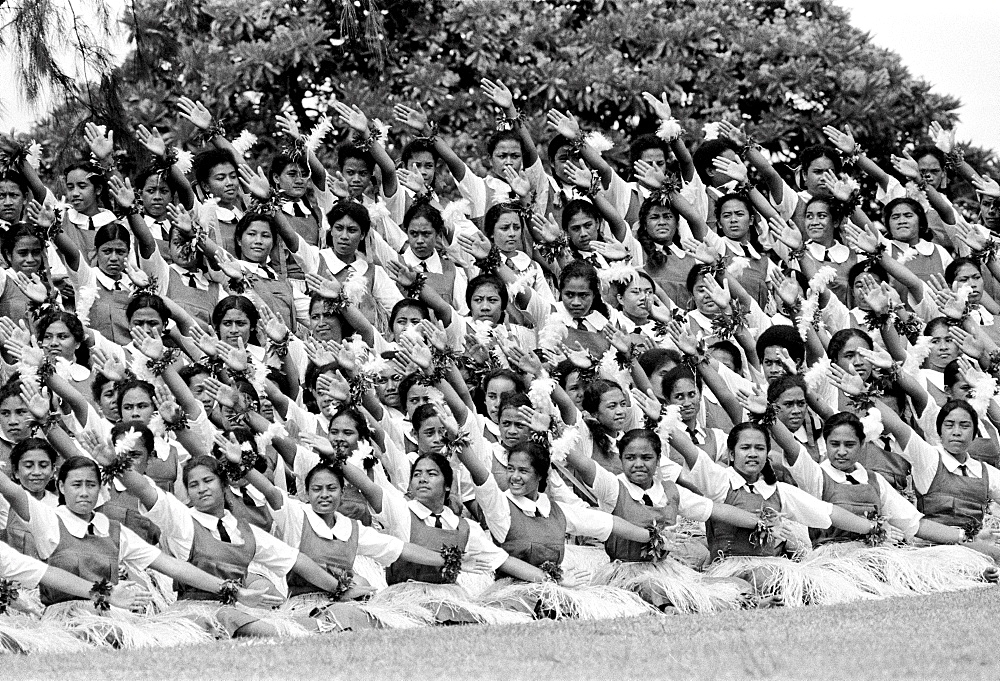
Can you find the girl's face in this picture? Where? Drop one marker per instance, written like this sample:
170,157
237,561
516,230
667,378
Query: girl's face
814,172
969,275
960,390
857,291
137,407
635,299
423,162
819,223
931,170
180,253
507,233
513,429
148,319
851,357
656,379
235,327
750,454
357,175
957,432
111,258
904,225
15,419
661,224
223,184
791,408
27,255
12,201
495,391
639,463
506,153
421,237
81,192
843,448
943,349
703,298
204,489
325,321
325,493
734,220
155,196
581,230
686,395
405,318
427,484
387,386
345,236
577,297
415,396
343,432
197,386
522,480
80,490
58,342
574,389
34,471
611,410
293,180
430,437
655,157
257,242
108,403
486,304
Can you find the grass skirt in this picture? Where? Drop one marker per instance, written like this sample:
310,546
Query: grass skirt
223,621
550,600
348,616
119,628
22,633
444,604
670,583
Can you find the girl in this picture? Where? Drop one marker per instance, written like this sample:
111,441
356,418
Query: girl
666,261
87,191
823,219
504,226
684,389
33,462
580,298
24,252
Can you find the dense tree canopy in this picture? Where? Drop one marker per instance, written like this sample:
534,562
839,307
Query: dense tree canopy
787,68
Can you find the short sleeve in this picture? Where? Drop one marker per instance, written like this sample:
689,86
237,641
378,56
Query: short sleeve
694,506
395,514
473,188
272,553
606,488
804,507
711,478
807,473
17,567
900,512
481,546
925,460
135,551
588,522
383,548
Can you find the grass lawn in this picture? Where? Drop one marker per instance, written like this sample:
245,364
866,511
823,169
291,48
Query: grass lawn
945,636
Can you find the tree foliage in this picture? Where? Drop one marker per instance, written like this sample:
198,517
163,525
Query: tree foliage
785,68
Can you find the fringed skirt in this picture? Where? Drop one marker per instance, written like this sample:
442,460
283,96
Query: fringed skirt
669,583
117,628
550,600
443,604
22,633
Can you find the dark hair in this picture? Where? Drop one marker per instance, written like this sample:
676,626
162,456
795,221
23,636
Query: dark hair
696,273
16,232
841,338
134,384
817,151
205,162
364,433
442,463
349,209
577,206
564,370
708,152
751,212
145,434
952,374
767,472
77,462
496,212
73,325
784,336
17,178
951,271
488,280
240,304
244,224
514,400
500,136
30,444
859,268
142,177
97,387
912,203
592,395
844,418
408,303
426,211
345,152
335,471
96,177
281,161
209,462
641,434
679,373
620,287
113,231
422,414
189,371
581,269
952,405
654,358
645,143
538,459
406,384
782,385
729,348
654,254
150,301
555,144
513,377
935,323
419,146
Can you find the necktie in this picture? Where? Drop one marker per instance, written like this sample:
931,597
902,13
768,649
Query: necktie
646,500
90,224
247,499
223,534
964,469
580,324
298,211
90,529
886,443
437,521
510,263
746,252
423,266
826,255
118,286
693,434
192,282
850,479
750,488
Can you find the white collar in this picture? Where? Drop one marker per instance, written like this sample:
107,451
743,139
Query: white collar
839,253
923,247
655,492
594,321
211,523
717,193
104,217
522,261
77,526
261,271
71,371
341,530
737,481
738,248
448,518
858,472
433,263
985,317
541,507
227,214
200,279
499,187
974,466
336,265
109,284
288,207
491,427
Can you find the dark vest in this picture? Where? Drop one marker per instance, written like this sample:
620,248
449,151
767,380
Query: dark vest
858,499
727,540
199,304
327,553
639,514
92,559
107,314
955,500
254,515
432,538
218,558
536,540
163,473
672,278
122,507
894,468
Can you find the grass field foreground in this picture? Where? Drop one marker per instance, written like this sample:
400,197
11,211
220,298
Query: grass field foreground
945,636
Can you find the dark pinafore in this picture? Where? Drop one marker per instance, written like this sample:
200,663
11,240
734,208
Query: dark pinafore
247,510
123,508
891,466
536,540
218,558
18,535
107,314
308,230
727,540
327,553
444,283
433,539
954,499
858,499
198,303
163,471
671,276
91,558
639,514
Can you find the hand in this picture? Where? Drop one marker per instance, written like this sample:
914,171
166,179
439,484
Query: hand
538,421
152,140
100,141
786,288
681,335
947,303
322,286
417,350
412,181
180,218
661,107
700,251
434,334
138,278
545,229
575,578
906,166
786,233
720,294
787,361
943,139
258,597
967,342
871,292
230,447
274,329
647,402
738,136
475,244
412,117
526,361
648,174
121,191
753,403
878,358
195,112
344,356
498,92
337,185
206,342
255,183
401,273
848,383
318,443
859,239
843,141
33,287
42,216
734,169
37,401
578,356
840,188
564,124
611,250
228,263
287,125
129,596
149,345
235,358
353,117
517,181
221,393
987,186
108,365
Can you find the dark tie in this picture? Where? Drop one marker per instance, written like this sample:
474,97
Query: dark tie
510,263
750,488
693,434
223,535
850,479
964,469
247,499
437,521
646,500
886,443
298,211
826,255
580,324
90,224
423,266
192,281
118,286
90,529
746,252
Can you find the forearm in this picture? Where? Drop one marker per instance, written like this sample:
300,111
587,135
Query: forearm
518,569
619,227
846,520
186,573
625,530
78,404
938,533
730,515
941,204
369,490
143,237
140,487
271,493
775,185
183,188
306,568
414,553
390,182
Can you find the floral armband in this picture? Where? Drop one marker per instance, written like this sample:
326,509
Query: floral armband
766,532
180,424
875,320
864,400
279,347
994,360
269,206
796,254
345,580
452,556
659,544
766,419
726,325
158,366
241,285
149,288
539,438
986,254
121,463
248,461
359,385
954,159
241,412
575,146
130,211
443,358
453,444
491,263
553,572
432,134
215,129
413,290
878,535
910,328
527,211
374,135
852,158
228,592
870,260
554,250
505,122
8,594
751,145
100,594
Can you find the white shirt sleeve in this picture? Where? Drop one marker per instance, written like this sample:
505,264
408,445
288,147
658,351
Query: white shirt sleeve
495,507
994,480
694,506
789,201
44,527
384,289
900,512
587,522
804,507
135,551
711,478
175,523
395,515
383,548
807,473
481,546
272,553
473,188
17,567
924,459
606,488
